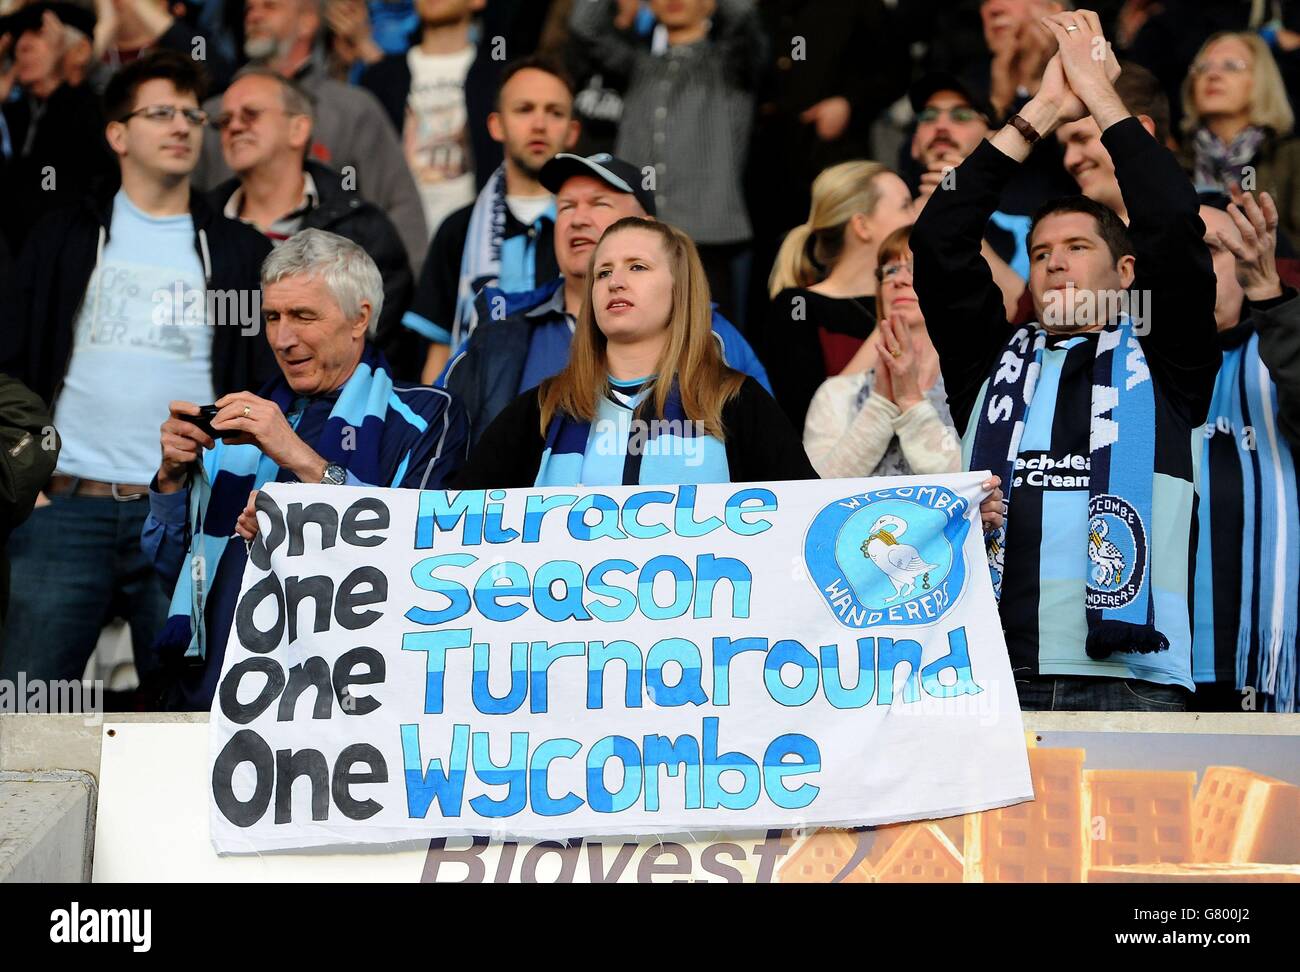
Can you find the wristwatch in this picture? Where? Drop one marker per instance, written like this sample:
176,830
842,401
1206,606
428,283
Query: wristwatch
335,475
1026,130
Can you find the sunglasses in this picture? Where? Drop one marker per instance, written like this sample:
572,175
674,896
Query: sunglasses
165,113
959,114
247,115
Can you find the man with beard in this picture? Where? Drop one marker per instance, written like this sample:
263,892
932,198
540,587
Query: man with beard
951,119
506,238
352,134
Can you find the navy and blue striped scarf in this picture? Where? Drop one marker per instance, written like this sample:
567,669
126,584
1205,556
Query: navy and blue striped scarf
349,435
1116,566
616,450
1248,518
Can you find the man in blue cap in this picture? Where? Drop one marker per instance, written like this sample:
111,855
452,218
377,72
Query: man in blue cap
523,338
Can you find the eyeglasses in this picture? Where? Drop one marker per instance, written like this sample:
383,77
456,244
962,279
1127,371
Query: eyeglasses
165,113
248,115
959,114
1230,65
891,270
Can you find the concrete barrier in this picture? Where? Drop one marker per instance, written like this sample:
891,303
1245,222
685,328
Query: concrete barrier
47,826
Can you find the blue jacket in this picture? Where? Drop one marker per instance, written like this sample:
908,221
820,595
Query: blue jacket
484,374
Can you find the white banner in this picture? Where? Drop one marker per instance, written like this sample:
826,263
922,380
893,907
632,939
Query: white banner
544,663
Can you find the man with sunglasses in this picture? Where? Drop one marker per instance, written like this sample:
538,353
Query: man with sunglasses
351,131
951,120
266,122
138,296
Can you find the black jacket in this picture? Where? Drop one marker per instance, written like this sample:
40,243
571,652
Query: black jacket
1278,324
761,444
54,271
29,449
344,212
59,152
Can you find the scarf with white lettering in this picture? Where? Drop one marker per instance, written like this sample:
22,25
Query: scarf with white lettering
491,259
1116,565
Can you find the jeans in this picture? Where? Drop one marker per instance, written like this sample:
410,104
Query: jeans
1088,693
74,566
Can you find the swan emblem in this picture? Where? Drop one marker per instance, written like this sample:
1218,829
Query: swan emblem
898,561
1104,554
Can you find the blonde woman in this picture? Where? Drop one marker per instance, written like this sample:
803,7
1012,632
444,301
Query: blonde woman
1238,121
823,284
645,397
886,414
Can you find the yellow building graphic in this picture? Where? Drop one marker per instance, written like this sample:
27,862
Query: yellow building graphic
1097,825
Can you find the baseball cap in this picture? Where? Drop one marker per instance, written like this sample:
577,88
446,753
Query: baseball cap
74,15
921,92
615,173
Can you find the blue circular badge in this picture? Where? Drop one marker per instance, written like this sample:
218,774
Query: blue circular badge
890,556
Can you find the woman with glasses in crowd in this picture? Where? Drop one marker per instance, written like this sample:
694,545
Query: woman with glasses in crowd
886,413
1238,123
823,284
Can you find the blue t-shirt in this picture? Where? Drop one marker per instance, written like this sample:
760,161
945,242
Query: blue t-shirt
141,340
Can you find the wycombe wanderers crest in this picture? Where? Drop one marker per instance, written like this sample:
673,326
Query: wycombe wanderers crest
890,556
1117,552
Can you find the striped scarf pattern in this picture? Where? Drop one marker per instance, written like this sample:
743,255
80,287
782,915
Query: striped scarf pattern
615,454
350,437
1245,406
489,258
1116,565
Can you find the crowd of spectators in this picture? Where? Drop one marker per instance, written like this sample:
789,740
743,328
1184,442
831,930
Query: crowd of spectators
843,238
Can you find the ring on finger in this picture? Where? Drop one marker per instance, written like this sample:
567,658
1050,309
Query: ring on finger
247,409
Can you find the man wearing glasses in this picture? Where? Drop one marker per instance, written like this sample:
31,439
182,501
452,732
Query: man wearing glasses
133,298
266,123
951,120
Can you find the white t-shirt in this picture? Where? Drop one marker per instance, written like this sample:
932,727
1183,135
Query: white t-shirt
528,208
436,134
142,340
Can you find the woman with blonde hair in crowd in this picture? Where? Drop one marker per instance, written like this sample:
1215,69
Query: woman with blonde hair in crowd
646,396
1239,121
823,284
886,413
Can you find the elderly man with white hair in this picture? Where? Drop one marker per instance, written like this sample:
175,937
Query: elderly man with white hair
334,416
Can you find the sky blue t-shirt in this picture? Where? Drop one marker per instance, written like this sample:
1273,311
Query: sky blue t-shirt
141,341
